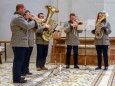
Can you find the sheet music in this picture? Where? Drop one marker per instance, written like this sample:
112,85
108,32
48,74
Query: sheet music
90,24
1,48
63,34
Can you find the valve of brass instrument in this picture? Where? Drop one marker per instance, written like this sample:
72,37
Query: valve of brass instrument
40,21
48,27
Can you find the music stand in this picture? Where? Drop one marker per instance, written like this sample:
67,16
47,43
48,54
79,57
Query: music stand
85,52
58,62
90,28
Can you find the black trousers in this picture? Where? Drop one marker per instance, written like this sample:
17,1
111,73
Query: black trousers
102,49
68,54
42,51
25,66
19,56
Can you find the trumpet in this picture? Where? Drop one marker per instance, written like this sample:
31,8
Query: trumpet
75,25
38,20
28,16
31,16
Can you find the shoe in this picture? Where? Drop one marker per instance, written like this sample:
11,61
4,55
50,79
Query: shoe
38,69
23,74
106,68
29,73
98,68
21,81
76,66
67,66
44,68
22,78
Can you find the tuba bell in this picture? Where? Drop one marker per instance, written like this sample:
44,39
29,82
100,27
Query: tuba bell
47,34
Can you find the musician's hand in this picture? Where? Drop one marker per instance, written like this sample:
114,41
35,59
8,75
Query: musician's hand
43,20
48,27
74,25
26,16
103,26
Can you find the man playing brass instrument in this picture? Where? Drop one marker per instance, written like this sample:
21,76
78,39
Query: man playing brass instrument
72,40
19,41
25,67
41,18
43,36
42,46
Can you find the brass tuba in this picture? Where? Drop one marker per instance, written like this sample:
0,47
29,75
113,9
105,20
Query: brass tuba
47,34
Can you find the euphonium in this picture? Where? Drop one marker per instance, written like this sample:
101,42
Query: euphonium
99,31
47,34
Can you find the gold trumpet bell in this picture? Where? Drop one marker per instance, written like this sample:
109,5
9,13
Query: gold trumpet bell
80,27
80,23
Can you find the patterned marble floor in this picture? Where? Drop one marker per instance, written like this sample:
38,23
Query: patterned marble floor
57,75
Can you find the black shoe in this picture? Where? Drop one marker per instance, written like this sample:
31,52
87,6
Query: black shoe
106,68
21,81
22,78
67,66
29,73
98,68
76,66
23,74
